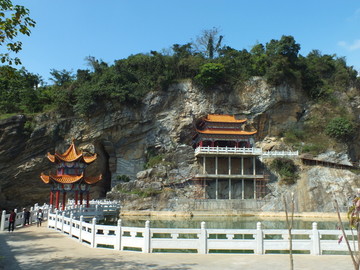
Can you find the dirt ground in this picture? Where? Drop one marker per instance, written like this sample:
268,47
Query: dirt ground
42,248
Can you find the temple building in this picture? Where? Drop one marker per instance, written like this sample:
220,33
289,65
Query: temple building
70,176
230,167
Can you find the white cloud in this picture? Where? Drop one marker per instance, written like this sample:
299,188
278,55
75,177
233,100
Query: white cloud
350,47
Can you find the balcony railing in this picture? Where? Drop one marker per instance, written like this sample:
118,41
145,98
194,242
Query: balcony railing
228,150
243,150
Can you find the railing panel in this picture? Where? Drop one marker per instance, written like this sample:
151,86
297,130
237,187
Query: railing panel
222,244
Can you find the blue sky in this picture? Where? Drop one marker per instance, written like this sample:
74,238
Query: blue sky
67,31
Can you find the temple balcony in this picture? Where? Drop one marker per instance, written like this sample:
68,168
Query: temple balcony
236,151
240,151
227,176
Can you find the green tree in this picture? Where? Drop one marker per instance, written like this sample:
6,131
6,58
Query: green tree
340,128
259,59
14,20
61,77
19,92
286,47
211,74
282,61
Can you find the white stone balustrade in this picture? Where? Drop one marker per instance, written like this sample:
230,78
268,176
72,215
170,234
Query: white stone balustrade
243,150
201,240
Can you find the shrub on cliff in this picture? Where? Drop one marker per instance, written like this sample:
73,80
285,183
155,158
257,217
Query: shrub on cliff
286,169
211,74
340,128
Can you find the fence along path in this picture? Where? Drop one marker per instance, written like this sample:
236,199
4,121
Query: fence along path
40,248
202,240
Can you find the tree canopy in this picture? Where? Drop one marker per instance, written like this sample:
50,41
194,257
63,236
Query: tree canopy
128,80
14,20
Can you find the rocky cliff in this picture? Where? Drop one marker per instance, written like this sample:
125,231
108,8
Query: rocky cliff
126,137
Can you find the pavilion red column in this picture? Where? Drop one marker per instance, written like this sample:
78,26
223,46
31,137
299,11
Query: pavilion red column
81,198
51,198
87,199
76,197
212,143
63,201
57,199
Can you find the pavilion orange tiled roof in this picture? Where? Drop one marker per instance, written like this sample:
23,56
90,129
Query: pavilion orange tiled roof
92,180
63,179
70,179
72,154
223,118
226,132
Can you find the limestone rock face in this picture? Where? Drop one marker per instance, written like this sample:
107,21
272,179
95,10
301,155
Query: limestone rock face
315,190
125,137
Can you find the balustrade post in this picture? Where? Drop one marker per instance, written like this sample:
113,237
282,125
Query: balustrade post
315,240
93,232
80,228
203,239
71,223
62,221
56,218
147,237
118,236
259,239
2,223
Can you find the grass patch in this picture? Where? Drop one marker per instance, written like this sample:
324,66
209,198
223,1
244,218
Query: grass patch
142,193
7,115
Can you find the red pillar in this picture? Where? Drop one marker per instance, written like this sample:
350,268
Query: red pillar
87,199
212,143
76,197
63,203
51,198
81,198
57,199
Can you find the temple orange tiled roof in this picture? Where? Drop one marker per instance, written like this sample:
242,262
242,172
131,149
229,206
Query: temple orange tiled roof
223,118
72,154
92,180
70,179
45,178
226,132
63,179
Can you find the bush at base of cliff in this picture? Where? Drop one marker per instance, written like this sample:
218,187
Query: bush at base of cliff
286,169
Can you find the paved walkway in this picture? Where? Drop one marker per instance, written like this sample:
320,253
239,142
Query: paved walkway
42,248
